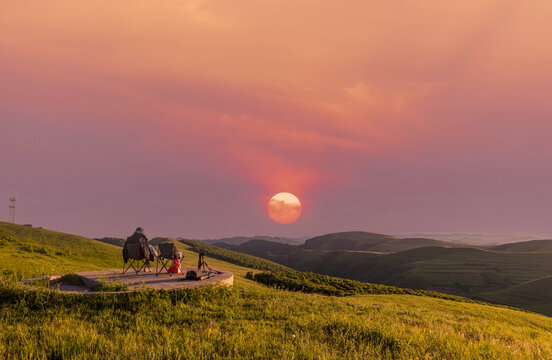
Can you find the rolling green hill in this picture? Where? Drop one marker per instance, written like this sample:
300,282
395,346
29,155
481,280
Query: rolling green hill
30,251
247,321
464,271
533,295
525,246
234,257
363,241
262,248
112,241
159,240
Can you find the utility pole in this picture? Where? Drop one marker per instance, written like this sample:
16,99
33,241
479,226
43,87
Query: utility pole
12,209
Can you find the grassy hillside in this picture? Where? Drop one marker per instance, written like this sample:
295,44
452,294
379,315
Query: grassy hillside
525,246
533,295
234,257
30,252
160,240
310,282
363,241
112,241
471,271
252,321
259,322
465,271
262,248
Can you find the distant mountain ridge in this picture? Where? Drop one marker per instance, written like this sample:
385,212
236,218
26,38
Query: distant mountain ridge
238,240
525,246
358,241
351,241
479,239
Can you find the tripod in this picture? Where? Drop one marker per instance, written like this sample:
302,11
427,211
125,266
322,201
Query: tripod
201,263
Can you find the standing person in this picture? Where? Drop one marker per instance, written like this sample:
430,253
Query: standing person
139,238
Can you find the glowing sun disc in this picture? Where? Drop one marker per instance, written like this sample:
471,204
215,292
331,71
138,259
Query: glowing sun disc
284,208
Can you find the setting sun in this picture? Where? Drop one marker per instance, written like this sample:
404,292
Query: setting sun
284,208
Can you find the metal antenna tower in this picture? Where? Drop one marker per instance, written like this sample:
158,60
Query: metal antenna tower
12,209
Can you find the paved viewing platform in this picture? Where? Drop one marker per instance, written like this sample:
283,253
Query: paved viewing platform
137,281
161,281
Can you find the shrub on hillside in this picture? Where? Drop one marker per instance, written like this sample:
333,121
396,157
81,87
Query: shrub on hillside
6,237
328,285
36,249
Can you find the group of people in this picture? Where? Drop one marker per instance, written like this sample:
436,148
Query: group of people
147,251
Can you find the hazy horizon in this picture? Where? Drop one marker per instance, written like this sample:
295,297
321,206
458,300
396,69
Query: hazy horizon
185,118
496,237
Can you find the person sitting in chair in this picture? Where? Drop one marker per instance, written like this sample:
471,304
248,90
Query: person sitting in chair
139,238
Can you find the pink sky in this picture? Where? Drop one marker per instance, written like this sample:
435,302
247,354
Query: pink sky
185,117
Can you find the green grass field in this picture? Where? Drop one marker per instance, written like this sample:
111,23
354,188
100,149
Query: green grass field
28,252
477,273
249,321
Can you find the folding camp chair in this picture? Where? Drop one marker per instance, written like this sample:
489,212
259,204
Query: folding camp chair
167,253
133,251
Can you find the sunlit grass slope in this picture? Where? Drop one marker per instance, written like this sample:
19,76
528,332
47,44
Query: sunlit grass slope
255,323
26,251
250,321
